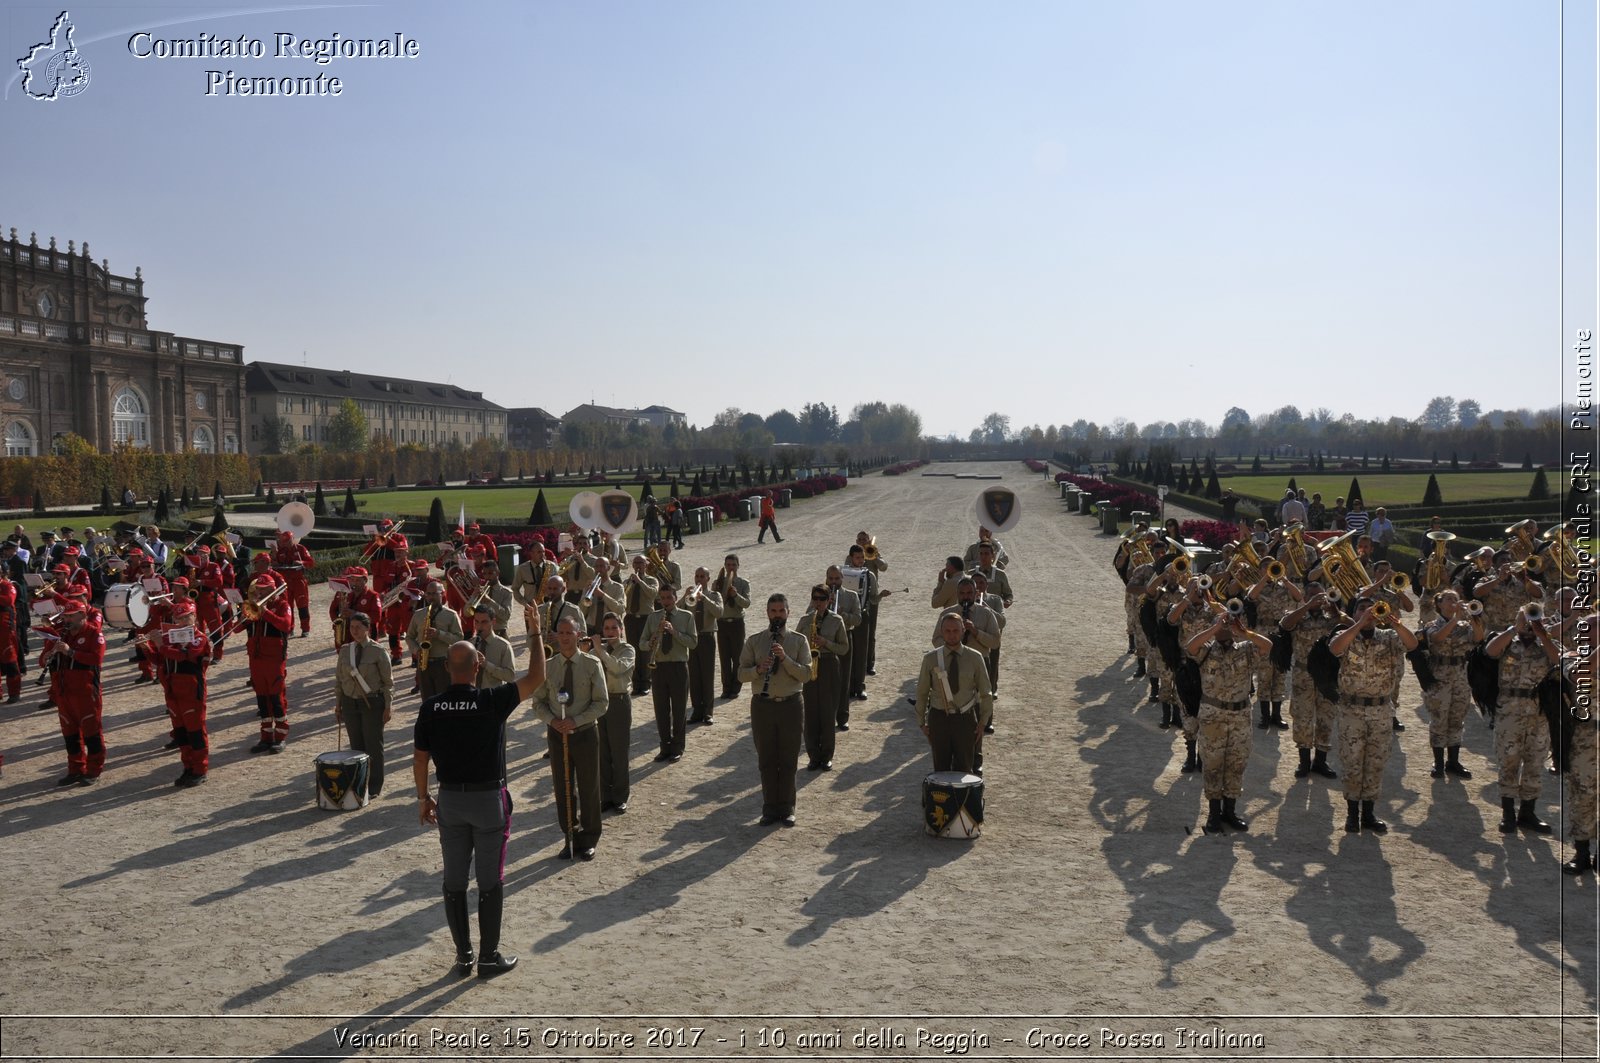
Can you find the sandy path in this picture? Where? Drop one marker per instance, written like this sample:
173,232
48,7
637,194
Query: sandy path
1088,896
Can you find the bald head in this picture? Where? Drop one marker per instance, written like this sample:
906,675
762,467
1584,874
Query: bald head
462,661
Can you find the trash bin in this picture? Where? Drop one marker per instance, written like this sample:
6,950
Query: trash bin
1108,516
1066,488
749,508
785,496
1139,515
701,519
1085,503
508,558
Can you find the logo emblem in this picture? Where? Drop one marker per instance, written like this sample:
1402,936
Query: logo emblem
55,69
998,503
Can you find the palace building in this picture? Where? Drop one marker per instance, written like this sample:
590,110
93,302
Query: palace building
78,356
302,400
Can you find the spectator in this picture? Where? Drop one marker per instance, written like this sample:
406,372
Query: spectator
1317,514
652,524
1230,506
1291,509
1260,535
1356,519
1339,513
1382,531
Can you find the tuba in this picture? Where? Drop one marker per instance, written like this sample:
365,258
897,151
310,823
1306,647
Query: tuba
1561,553
1341,567
1519,539
1436,574
1296,558
1247,561
658,567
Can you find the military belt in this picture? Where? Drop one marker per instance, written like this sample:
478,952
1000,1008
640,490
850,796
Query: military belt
1521,692
1367,702
1231,706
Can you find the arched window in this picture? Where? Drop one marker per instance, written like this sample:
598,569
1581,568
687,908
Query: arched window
130,423
20,442
204,441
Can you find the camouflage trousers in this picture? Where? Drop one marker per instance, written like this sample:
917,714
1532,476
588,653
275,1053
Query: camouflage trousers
1269,681
1366,734
1447,704
1521,746
1141,645
1310,713
1583,783
1224,749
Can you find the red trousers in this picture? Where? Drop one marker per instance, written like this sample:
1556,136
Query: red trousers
396,619
299,596
77,696
209,610
268,677
186,705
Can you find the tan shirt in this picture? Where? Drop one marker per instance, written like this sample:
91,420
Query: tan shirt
373,668
528,580
499,661
447,627
828,631
676,648
639,595
735,596
985,635
792,673
618,663
607,597
971,689
587,699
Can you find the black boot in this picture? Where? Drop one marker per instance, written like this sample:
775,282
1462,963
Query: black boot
1319,765
1266,715
1370,820
1452,764
1230,815
1277,717
490,906
1166,716
1581,860
1530,819
1189,762
1140,672
1155,689
1213,823
1508,815
1130,642
1438,763
1352,817
1305,764
455,914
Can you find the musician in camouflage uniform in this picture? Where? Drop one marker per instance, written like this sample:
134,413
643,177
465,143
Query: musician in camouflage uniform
1383,589
1450,636
1225,650
1138,582
1273,598
1521,733
1583,778
1312,715
1372,658
1505,592
1191,614
1164,590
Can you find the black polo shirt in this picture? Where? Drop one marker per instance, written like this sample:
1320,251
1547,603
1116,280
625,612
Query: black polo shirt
464,730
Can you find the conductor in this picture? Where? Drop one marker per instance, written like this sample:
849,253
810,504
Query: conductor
463,731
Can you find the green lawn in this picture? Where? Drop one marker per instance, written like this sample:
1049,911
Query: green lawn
501,505
1389,489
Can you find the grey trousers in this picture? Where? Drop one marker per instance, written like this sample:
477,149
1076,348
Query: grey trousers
474,828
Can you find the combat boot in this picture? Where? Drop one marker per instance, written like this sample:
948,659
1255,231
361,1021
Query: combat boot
1530,819
1166,716
1266,715
1452,764
1141,671
1352,817
1305,764
1370,820
1214,820
1508,815
1190,764
1155,689
1319,765
1581,860
1230,815
1130,642
1277,717
1438,762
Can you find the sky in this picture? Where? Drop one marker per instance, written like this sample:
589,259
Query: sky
1054,210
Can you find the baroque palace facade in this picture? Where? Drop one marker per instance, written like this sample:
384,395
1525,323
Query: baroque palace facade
77,355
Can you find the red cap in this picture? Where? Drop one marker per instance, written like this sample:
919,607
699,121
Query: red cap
203,550
182,605
386,524
178,583
355,571
285,535
60,570
72,605
135,552
419,565
262,555
473,526
71,551
264,584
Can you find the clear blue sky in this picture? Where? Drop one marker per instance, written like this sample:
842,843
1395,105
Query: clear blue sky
1053,210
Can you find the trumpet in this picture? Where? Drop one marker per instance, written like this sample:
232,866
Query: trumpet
1474,608
1400,583
660,645
1381,611
1235,609
871,549
1273,570
1533,566
1534,611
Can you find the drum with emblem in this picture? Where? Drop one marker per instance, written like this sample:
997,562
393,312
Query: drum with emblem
127,607
952,804
342,779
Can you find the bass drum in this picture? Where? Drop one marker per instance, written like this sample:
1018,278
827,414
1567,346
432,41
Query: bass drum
127,607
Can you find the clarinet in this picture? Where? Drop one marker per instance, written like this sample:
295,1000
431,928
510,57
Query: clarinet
772,658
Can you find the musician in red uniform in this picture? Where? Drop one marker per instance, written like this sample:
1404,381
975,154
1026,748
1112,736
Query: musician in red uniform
292,561
74,659
209,579
397,616
267,646
261,569
361,599
178,589
387,561
10,661
183,681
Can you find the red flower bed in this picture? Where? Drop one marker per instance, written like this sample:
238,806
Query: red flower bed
1126,499
904,467
1211,533
1035,465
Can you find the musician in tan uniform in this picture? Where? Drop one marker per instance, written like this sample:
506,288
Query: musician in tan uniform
944,592
437,625
1166,591
777,664
616,726
1450,637
735,592
953,699
1521,733
556,607
1583,763
1505,592
530,576
1372,659
366,696
499,660
829,644
578,568
639,592
1311,715
985,536
848,606
879,566
1273,598
669,634
601,595
496,595
999,582
1226,651
672,567
571,700
705,605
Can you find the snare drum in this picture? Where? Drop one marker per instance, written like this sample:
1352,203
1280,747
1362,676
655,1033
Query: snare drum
127,607
342,779
952,804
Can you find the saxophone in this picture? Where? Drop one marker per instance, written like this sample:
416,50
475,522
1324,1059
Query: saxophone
426,646
815,641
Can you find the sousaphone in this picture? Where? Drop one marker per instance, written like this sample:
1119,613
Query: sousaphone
998,509
297,519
